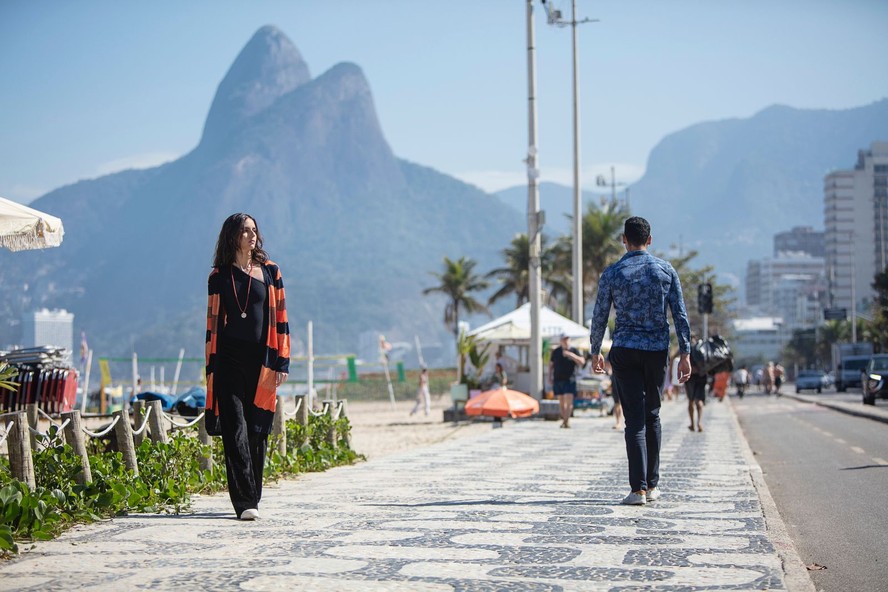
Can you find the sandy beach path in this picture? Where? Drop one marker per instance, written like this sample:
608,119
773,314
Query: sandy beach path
378,430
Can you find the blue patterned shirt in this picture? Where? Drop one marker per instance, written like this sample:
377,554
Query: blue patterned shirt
640,286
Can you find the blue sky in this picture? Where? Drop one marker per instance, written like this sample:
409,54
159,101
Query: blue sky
94,86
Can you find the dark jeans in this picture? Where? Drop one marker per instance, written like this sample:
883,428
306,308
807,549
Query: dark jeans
639,375
237,376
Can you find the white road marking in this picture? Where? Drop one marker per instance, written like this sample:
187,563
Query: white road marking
858,449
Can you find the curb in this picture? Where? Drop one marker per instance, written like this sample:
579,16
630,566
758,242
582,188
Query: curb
847,408
795,573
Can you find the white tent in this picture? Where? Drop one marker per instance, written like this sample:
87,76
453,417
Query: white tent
512,332
514,329
23,228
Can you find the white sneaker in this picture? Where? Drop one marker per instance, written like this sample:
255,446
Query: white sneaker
250,514
653,494
635,499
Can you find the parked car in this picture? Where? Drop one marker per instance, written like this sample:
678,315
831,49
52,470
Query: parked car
850,372
876,383
809,380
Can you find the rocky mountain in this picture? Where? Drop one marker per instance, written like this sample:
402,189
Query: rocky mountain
726,187
355,229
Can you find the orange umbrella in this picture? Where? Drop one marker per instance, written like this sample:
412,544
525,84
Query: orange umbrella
502,402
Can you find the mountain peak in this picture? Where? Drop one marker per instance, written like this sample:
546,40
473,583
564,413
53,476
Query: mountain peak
268,67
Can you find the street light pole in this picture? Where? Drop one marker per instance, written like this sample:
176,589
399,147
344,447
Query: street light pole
577,266
554,18
535,360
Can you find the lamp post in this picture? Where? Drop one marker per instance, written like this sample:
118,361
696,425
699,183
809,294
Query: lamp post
555,18
535,361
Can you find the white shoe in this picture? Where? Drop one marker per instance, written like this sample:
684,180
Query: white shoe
251,514
635,499
653,494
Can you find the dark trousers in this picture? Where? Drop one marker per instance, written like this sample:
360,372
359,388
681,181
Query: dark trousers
639,378
237,376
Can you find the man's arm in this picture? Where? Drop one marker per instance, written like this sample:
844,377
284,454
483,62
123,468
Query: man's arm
600,314
679,315
575,358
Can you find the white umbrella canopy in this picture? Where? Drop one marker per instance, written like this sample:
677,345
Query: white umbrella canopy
23,228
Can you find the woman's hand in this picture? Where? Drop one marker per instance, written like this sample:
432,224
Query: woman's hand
280,378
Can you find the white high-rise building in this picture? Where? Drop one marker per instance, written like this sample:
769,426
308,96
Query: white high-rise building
48,327
782,286
856,222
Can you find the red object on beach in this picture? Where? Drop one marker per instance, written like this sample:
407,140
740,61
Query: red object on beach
502,402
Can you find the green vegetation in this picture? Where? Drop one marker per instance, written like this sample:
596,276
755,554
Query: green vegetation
168,474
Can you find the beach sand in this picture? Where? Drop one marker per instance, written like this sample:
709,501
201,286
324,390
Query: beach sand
378,430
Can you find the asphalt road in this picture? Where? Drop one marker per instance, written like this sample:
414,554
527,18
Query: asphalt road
828,474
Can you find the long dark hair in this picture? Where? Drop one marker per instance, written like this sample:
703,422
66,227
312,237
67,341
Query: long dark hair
229,240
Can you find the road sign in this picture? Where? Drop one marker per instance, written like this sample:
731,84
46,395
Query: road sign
835,314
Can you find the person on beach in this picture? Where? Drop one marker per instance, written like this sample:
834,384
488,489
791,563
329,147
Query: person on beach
563,364
247,354
640,287
423,398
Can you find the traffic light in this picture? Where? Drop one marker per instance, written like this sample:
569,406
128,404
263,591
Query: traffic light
704,298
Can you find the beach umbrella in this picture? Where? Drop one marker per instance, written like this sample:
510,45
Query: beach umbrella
24,228
502,402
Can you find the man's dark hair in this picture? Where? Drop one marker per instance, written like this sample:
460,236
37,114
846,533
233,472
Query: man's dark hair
637,231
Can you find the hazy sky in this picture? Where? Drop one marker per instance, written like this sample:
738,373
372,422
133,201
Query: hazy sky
94,86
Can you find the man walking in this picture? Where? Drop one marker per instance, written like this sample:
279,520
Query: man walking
562,367
640,287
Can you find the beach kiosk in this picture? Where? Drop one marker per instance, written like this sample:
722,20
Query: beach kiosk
510,334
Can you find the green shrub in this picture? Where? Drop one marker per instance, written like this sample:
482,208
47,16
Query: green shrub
169,473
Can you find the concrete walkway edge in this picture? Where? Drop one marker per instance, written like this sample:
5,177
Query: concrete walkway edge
796,574
857,409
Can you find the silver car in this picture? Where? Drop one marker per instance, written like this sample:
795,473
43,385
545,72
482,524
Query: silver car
809,380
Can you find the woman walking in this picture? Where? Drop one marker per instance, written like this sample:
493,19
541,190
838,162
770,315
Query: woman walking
247,353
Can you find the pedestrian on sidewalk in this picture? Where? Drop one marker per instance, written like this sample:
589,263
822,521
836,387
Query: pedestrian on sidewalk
741,380
563,364
247,354
779,373
423,398
696,388
641,287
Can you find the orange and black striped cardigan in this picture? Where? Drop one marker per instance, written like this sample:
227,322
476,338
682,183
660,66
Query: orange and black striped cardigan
277,345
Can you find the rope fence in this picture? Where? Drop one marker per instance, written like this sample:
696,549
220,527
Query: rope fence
321,412
296,410
103,432
20,433
141,430
176,424
6,432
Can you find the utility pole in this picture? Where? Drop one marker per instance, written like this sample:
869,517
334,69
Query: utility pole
600,181
535,360
556,19
853,287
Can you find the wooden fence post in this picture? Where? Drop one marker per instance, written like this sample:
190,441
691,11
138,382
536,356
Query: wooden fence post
278,427
33,417
344,413
139,409
156,423
19,446
302,418
206,462
74,437
333,413
124,432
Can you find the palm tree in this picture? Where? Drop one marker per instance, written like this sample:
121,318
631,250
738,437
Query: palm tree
601,241
514,276
458,282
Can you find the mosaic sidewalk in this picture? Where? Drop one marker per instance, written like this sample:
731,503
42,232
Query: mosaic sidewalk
525,507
